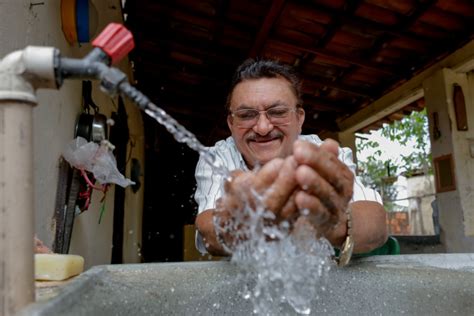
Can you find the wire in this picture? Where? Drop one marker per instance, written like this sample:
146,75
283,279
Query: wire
89,182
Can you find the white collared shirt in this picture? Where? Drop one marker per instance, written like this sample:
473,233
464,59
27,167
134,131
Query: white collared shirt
210,185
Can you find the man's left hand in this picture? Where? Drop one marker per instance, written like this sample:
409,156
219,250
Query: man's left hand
326,188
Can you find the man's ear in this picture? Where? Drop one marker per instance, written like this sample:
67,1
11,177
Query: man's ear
301,117
229,122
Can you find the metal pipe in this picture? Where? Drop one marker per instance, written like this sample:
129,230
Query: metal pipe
78,69
21,73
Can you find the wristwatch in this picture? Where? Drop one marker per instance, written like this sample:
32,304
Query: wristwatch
348,245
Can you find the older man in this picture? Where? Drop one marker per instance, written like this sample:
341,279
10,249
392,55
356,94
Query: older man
292,172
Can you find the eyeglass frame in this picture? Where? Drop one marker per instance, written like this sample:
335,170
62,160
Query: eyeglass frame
269,118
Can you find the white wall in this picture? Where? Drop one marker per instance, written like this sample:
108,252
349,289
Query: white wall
456,207
54,120
421,212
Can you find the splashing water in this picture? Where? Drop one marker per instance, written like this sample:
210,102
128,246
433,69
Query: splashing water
182,135
285,265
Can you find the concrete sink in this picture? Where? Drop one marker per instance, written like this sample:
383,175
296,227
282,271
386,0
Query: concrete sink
441,284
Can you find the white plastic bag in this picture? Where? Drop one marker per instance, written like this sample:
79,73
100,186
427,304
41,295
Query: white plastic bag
96,159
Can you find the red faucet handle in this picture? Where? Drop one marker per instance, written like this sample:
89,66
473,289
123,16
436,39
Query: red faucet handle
115,40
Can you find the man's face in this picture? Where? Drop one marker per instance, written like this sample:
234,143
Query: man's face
264,140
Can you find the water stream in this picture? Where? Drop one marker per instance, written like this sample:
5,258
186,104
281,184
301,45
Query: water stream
286,266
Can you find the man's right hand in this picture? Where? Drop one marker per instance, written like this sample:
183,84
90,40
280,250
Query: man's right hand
274,185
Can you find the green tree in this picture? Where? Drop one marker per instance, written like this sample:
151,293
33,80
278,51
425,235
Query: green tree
380,173
412,130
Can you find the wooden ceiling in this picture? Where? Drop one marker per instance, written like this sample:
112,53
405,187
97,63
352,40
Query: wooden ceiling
348,52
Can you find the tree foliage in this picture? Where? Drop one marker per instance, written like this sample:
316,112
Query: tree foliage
413,131
379,172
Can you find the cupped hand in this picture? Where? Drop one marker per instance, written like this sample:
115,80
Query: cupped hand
273,187
326,186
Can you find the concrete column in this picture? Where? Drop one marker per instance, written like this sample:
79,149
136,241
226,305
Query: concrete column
456,205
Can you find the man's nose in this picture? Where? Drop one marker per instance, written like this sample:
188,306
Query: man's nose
263,125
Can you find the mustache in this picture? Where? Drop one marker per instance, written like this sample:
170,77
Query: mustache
259,138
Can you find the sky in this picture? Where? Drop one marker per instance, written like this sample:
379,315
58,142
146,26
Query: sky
389,149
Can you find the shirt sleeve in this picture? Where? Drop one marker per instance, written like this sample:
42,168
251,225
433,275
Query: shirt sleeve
209,187
361,192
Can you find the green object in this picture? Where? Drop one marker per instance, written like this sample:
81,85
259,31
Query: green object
102,211
391,247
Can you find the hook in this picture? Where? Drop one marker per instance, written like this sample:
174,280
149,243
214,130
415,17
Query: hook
87,97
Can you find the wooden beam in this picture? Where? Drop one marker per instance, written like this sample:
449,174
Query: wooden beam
383,39
365,23
396,116
405,94
326,53
312,80
313,104
270,19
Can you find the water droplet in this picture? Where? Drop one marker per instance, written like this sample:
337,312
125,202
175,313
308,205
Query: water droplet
303,311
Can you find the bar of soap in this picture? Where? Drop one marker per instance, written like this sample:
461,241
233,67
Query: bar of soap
57,267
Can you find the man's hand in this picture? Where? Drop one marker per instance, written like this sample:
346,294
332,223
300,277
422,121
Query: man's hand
274,184
272,187
326,187
40,247
312,185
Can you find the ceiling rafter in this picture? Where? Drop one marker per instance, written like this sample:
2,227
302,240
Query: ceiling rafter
364,23
406,22
270,19
332,28
338,86
322,105
329,54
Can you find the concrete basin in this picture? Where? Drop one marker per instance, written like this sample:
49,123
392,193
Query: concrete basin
440,284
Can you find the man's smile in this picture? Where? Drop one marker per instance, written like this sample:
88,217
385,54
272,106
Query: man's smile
265,139
274,135
265,143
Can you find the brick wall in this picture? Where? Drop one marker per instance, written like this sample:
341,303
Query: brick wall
398,223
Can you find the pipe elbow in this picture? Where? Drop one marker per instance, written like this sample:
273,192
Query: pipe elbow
24,71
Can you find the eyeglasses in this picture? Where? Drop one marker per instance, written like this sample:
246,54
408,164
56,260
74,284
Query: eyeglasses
278,115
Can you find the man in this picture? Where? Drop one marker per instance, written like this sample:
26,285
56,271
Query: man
299,176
